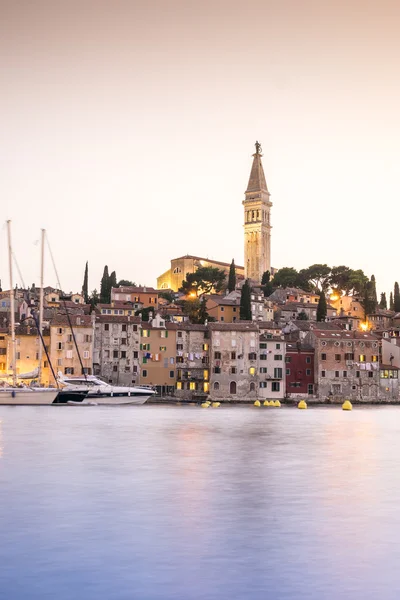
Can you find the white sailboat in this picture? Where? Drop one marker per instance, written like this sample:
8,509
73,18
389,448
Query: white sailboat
14,394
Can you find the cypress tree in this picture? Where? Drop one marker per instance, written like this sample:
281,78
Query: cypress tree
265,278
232,277
245,302
396,298
383,302
391,303
85,290
322,309
374,297
105,287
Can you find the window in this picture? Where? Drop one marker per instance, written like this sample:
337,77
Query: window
123,354
357,373
233,355
336,373
308,372
217,370
287,371
374,358
278,373
123,327
361,358
323,373
217,355
233,342
192,385
115,353
59,362
59,345
344,373
205,347
233,370
370,374
145,333
232,387
278,346
106,327
205,374
323,356
206,386
338,357
288,359
144,373
163,348
308,359
222,308
59,330
179,334
278,357
216,386
252,371
263,357
69,370
45,364
252,356
123,341
179,346
252,387
263,384
86,354
136,354
263,370
276,386
310,389
222,319
263,346
349,356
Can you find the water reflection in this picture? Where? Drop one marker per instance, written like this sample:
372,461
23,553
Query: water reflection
169,503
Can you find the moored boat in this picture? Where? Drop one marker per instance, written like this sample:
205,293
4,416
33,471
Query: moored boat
103,393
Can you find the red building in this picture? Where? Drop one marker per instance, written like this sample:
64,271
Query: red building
299,369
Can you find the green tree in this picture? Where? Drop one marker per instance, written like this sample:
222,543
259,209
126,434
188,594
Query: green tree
125,282
302,316
167,295
383,302
374,297
203,315
232,277
85,289
368,300
245,302
322,308
203,281
105,287
94,299
396,298
266,277
391,303
113,281
318,276
145,313
285,277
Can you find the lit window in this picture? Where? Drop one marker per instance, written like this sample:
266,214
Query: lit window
192,385
179,385
145,333
206,386
361,358
205,374
252,371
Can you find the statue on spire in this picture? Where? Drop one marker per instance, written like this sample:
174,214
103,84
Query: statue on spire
258,148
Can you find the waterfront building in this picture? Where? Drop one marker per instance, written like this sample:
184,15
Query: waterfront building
147,296
117,349
299,369
158,347
63,353
271,367
192,361
233,360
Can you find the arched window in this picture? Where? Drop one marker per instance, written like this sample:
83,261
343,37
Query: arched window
258,215
252,387
216,386
177,270
232,387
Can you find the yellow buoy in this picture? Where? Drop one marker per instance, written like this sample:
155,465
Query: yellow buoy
302,404
257,403
216,404
266,402
347,405
277,404
205,405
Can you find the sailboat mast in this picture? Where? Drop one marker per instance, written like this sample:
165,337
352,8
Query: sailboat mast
12,307
40,353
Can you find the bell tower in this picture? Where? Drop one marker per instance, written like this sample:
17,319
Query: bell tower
257,228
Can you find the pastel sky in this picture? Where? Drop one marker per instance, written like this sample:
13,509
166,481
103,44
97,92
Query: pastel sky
127,130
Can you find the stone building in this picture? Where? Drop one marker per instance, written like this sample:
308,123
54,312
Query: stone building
271,367
180,267
233,360
116,349
63,354
158,349
192,361
147,296
346,364
257,226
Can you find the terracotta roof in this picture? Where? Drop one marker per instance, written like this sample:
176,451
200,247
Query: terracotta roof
344,334
243,326
62,320
134,290
223,300
117,319
298,347
211,260
264,337
191,327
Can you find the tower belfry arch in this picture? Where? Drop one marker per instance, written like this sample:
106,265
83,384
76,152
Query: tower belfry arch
257,221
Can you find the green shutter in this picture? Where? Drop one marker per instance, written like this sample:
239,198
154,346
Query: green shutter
166,334
141,346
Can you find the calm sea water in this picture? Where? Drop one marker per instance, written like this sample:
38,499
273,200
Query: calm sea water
187,503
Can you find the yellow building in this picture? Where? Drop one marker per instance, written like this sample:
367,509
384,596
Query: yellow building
172,279
223,309
158,355
27,352
63,354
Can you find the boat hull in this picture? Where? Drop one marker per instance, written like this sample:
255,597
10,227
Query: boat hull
118,398
27,397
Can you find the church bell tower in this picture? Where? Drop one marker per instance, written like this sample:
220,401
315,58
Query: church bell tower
257,228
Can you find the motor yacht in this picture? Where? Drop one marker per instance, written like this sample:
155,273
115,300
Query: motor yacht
101,392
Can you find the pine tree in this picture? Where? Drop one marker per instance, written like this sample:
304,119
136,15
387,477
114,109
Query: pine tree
245,302
85,289
391,303
265,278
396,298
203,314
105,287
383,302
322,309
232,277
